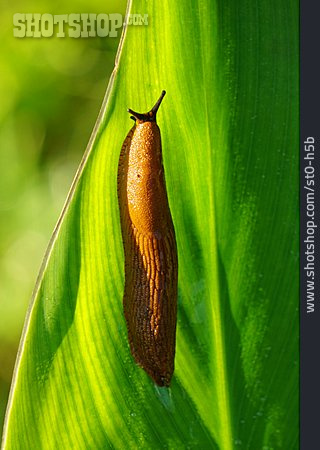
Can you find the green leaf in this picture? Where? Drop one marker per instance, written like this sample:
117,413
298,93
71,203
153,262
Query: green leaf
229,125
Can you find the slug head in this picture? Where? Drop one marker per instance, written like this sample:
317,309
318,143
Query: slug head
149,116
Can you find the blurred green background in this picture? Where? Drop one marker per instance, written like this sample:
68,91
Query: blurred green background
51,92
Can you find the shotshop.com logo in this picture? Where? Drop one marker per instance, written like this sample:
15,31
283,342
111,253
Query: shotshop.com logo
73,25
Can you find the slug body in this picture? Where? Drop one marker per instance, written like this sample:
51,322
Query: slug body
151,265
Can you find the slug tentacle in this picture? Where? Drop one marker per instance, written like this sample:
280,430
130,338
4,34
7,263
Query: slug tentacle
151,115
151,265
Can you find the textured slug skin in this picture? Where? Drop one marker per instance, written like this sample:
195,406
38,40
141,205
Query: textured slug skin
151,266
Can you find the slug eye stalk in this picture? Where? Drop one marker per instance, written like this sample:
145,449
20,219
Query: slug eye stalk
149,116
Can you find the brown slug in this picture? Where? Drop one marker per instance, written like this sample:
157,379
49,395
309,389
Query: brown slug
150,250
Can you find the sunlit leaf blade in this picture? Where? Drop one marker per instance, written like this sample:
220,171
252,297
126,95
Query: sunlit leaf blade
229,132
